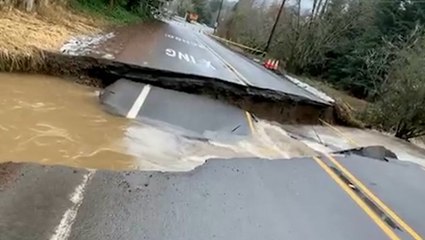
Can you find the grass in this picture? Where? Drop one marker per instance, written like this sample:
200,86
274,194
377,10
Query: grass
26,35
47,30
116,15
30,61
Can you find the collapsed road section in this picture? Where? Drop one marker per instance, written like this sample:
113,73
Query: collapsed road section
299,198
196,114
176,56
229,197
264,103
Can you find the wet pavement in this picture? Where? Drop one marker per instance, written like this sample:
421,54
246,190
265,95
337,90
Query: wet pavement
34,202
174,48
175,108
222,199
396,184
254,74
182,47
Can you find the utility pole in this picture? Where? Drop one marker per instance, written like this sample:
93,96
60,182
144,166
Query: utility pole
218,16
274,26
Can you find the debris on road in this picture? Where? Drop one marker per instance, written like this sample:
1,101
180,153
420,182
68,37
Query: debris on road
309,88
87,45
375,152
334,139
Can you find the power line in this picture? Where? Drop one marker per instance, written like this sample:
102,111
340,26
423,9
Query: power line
218,15
274,26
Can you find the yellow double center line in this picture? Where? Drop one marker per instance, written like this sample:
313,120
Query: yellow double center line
381,224
378,202
250,122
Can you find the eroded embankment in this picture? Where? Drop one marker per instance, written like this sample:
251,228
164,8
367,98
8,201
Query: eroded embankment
34,52
264,103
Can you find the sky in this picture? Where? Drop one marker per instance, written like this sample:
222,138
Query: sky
305,4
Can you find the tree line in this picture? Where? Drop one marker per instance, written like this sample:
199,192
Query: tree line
141,7
372,49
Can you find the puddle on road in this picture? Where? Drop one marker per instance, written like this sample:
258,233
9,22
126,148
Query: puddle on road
52,121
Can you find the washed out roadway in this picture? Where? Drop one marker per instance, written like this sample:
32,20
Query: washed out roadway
175,50
197,115
180,48
255,74
223,199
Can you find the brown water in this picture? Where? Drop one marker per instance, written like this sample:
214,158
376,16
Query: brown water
50,120
53,121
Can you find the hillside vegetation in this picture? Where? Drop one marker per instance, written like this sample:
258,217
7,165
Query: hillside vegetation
29,26
373,50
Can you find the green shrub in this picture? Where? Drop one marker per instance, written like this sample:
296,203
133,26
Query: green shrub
120,12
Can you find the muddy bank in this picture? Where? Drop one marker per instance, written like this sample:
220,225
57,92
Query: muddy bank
264,103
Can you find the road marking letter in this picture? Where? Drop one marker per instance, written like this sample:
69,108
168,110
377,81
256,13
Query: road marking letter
185,41
170,52
184,56
188,58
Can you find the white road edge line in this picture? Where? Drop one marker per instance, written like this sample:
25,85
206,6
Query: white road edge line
238,74
63,230
137,105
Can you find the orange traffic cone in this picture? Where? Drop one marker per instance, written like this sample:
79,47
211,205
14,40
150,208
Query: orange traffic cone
267,63
272,67
276,65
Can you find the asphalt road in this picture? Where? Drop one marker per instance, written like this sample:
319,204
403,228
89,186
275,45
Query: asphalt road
222,199
182,47
195,115
396,184
170,48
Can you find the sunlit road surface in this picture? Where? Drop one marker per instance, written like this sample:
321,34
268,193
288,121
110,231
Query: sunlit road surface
322,196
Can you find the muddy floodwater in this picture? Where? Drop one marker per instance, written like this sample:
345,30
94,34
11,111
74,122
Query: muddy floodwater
50,120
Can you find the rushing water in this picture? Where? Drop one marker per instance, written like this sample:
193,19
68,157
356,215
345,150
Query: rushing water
50,120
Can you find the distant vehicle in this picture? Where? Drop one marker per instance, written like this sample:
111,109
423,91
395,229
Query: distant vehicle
191,16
